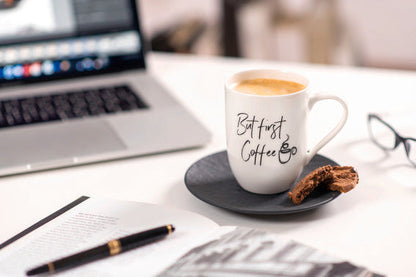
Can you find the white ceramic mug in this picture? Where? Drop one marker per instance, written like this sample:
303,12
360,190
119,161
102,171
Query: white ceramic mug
266,135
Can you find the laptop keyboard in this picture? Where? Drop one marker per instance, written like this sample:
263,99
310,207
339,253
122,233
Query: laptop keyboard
73,104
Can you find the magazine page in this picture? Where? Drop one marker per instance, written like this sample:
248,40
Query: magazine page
238,251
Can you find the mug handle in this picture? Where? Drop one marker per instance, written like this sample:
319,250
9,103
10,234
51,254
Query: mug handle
312,101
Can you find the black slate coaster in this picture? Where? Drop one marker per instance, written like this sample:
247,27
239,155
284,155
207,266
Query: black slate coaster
211,180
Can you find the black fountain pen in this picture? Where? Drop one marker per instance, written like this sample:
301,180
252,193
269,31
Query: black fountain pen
113,247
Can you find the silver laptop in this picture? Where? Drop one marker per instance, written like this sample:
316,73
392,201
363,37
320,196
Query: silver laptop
74,87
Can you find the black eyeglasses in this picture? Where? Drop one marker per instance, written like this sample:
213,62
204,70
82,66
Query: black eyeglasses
383,135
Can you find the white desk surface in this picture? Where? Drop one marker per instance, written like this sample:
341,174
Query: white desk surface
374,225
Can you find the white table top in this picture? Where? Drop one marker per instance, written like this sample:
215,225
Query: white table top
374,225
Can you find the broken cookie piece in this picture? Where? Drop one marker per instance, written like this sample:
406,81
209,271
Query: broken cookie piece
345,179
337,178
310,182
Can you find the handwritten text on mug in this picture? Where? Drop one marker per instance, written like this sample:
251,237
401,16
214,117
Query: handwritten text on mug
256,128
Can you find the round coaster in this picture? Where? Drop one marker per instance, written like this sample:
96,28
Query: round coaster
210,179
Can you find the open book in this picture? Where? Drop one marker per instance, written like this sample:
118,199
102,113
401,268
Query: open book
198,247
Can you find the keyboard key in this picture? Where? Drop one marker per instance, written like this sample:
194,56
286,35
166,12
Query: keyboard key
27,118
10,120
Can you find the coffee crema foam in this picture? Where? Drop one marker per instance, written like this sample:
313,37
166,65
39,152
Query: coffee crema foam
268,87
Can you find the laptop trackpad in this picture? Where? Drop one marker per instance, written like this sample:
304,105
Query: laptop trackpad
47,144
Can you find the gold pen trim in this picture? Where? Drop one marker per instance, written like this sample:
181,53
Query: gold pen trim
169,229
51,268
114,246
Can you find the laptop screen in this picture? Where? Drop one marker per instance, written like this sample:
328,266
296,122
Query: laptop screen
50,39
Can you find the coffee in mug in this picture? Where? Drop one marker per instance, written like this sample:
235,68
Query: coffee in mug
267,87
266,127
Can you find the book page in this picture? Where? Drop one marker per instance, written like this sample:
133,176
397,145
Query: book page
96,221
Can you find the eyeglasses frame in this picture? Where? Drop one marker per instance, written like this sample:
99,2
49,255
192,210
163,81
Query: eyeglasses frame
398,138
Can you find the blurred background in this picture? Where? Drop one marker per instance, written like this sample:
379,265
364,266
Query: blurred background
370,33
